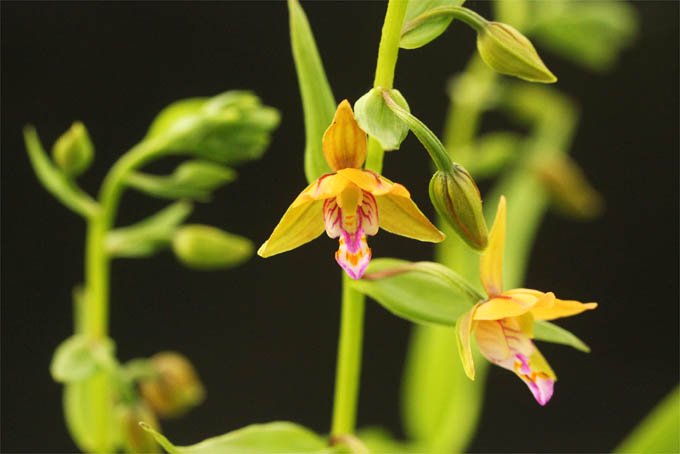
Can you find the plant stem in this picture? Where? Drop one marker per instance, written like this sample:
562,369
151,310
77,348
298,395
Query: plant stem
352,319
94,315
349,361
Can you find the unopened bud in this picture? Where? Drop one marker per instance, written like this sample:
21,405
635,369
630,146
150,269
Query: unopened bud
174,387
207,248
133,437
569,188
73,151
456,198
507,51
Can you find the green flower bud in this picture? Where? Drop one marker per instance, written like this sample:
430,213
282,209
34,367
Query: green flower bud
456,198
73,151
133,437
229,128
507,51
206,248
174,386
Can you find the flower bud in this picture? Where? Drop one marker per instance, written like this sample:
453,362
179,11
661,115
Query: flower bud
174,387
456,198
133,437
73,151
507,51
570,190
207,248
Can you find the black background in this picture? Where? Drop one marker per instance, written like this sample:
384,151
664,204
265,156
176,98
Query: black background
263,336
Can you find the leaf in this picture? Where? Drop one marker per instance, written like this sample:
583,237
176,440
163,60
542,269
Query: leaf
192,180
318,103
77,358
413,37
549,332
230,128
378,120
148,236
56,182
270,438
379,440
659,431
418,295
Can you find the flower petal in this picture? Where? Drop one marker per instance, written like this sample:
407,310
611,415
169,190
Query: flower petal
557,308
300,224
512,304
491,261
326,187
464,326
373,182
353,255
536,373
362,214
344,142
399,215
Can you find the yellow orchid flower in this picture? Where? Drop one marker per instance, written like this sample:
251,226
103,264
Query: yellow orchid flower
349,203
503,323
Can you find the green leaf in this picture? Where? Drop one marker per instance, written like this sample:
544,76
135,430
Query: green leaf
421,293
413,37
56,182
379,440
208,248
78,358
192,180
591,34
270,438
318,102
659,432
378,120
230,128
549,332
147,237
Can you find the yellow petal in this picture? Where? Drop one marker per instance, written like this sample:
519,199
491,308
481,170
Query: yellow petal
344,143
502,307
300,224
464,326
491,261
399,215
373,183
560,308
326,187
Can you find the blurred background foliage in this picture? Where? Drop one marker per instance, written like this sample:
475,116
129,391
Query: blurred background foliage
114,66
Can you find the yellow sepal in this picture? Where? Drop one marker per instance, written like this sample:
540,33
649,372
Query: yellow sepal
300,224
464,327
399,215
491,261
344,142
550,310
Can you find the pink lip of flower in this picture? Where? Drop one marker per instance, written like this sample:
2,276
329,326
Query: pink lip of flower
349,204
503,323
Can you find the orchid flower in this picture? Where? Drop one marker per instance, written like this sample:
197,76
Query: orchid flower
503,323
349,203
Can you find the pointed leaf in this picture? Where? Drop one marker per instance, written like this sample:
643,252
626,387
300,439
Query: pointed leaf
318,102
275,437
147,237
658,432
413,37
549,332
192,180
417,295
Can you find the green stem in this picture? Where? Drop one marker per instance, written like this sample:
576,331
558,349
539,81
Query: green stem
352,320
389,44
349,361
94,318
